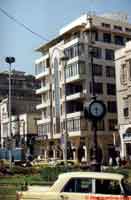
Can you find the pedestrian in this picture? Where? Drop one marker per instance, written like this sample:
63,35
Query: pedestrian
118,159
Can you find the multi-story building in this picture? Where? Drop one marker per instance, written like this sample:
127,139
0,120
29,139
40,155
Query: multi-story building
22,84
23,120
123,85
65,88
23,101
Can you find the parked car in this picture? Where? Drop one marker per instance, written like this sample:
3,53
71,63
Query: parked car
70,163
39,163
83,186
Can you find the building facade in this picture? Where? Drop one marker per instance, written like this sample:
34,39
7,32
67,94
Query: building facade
23,100
123,83
22,84
65,88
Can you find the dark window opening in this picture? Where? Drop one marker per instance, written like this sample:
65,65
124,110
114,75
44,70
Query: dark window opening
111,106
126,112
109,54
98,88
119,40
111,89
107,37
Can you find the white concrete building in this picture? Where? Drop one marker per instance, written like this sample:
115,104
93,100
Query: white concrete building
23,122
58,106
123,83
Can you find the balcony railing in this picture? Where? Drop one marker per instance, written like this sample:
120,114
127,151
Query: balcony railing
43,89
42,73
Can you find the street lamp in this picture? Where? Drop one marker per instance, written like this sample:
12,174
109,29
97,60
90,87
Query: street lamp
10,60
64,60
94,110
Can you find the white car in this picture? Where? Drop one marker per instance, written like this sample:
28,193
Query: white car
83,186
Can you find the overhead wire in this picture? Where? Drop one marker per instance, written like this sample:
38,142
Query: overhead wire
22,24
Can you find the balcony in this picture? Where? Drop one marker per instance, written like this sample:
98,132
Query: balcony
73,40
43,105
78,95
75,114
76,78
72,115
43,89
44,120
42,74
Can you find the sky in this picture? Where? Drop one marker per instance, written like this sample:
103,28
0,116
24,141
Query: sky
45,17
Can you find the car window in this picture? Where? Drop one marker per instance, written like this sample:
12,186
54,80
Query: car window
126,187
84,185
108,187
78,185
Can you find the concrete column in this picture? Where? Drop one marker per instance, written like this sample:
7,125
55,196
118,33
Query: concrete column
85,149
54,153
123,147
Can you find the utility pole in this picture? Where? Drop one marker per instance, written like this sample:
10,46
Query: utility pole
10,60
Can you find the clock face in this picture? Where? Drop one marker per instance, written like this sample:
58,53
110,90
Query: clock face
97,109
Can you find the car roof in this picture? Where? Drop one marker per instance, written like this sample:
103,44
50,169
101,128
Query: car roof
65,177
97,175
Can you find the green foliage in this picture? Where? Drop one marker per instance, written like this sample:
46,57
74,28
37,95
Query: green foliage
52,173
23,170
4,163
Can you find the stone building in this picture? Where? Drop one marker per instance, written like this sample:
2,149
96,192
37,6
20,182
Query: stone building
123,85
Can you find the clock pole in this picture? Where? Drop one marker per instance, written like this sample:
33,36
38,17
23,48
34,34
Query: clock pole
94,155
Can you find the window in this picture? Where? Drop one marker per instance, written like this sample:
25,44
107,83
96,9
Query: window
128,39
123,74
97,52
119,28
107,37
73,125
100,125
78,185
76,124
98,87
43,129
125,107
70,125
96,36
98,70
112,124
73,88
106,25
128,30
109,54
75,50
111,89
125,112
129,64
108,187
119,40
111,106
75,69
110,71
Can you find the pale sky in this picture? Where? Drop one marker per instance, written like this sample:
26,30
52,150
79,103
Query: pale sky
45,17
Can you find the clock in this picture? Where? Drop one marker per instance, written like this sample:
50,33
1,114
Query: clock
95,110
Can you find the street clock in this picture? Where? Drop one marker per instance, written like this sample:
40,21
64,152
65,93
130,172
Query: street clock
95,110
